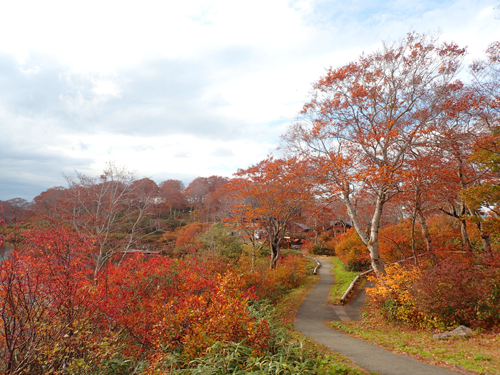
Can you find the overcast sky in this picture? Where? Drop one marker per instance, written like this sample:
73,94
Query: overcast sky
181,89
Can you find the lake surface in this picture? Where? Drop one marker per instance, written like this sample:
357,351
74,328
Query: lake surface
5,252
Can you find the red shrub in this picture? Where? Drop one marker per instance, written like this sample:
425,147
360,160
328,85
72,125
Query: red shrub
461,292
395,241
271,284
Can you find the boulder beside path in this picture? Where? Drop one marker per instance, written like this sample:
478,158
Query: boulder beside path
460,331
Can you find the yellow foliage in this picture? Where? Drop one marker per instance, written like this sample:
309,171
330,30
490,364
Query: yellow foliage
352,251
392,293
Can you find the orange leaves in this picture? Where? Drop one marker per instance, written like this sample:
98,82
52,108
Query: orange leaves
395,284
369,121
352,251
268,196
217,314
392,293
377,99
146,307
178,305
270,285
188,237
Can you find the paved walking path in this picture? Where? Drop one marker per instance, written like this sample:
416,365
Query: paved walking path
314,311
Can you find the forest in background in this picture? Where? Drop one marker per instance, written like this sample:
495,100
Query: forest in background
394,157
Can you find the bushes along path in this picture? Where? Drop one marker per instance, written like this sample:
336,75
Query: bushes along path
314,311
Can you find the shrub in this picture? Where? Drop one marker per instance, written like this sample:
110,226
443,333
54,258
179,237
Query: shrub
47,303
170,237
461,292
271,285
323,248
283,355
188,239
131,315
446,237
455,291
352,251
392,294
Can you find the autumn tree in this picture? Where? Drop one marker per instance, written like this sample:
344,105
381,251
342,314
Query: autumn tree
45,303
200,187
484,198
109,208
454,136
145,189
16,210
51,202
267,197
143,195
418,198
172,192
216,205
486,81
364,117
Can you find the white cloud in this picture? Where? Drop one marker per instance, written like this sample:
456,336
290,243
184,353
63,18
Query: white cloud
106,35
184,88
164,155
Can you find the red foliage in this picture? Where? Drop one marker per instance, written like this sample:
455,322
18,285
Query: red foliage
44,294
446,237
270,284
395,242
172,192
188,237
461,292
200,187
177,305
54,312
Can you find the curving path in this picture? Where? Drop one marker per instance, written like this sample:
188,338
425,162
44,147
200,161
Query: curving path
314,311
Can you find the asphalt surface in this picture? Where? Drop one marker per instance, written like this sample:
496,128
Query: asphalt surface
314,311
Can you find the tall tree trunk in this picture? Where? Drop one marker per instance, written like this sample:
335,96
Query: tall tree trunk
373,243
465,235
275,253
413,219
371,240
485,237
425,230
413,249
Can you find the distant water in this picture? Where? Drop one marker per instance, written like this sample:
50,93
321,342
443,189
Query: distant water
5,252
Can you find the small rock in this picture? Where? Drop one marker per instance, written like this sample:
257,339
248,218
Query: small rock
459,331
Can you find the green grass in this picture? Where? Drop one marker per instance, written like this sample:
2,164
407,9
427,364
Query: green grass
479,353
342,279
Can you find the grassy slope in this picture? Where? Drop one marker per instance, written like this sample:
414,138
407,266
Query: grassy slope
479,353
342,279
